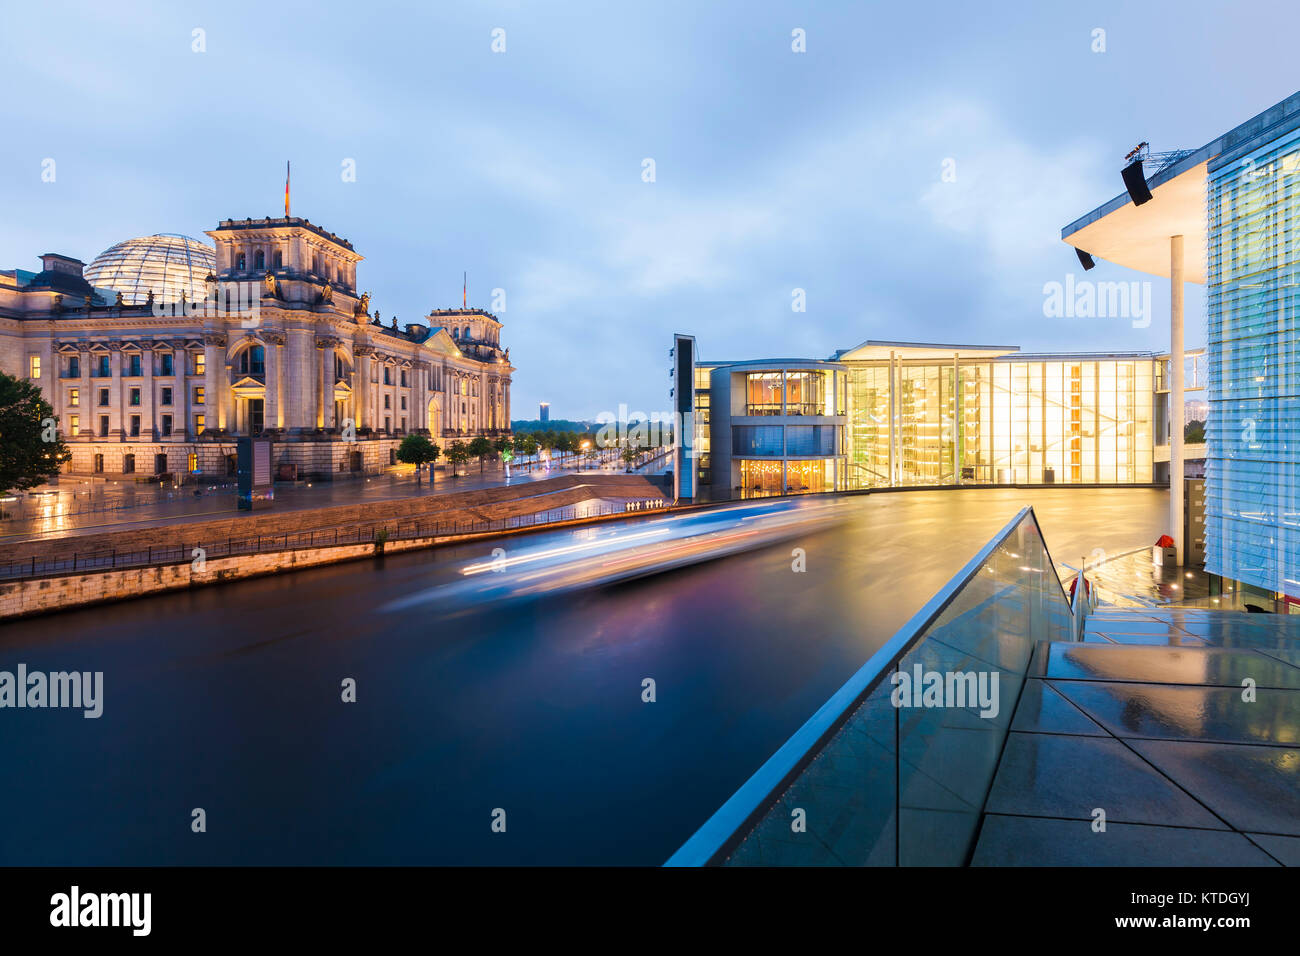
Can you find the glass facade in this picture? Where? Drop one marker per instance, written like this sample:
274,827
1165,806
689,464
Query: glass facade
927,420
1253,431
1057,420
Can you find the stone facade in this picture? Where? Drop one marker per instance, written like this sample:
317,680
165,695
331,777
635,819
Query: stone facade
283,346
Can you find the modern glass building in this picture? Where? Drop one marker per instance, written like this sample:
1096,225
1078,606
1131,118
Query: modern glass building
1253,300
1228,215
905,414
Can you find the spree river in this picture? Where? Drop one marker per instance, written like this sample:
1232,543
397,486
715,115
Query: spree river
228,699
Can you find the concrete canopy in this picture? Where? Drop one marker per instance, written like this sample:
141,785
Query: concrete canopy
1138,236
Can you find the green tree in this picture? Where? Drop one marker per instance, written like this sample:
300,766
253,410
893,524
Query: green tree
526,445
630,455
565,442
417,450
1194,432
31,448
480,448
458,454
504,444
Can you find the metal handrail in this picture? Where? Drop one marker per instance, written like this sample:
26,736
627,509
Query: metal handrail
723,831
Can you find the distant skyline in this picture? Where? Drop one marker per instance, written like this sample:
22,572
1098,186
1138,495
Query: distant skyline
775,171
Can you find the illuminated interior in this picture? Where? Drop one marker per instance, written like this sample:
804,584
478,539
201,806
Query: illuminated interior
1076,421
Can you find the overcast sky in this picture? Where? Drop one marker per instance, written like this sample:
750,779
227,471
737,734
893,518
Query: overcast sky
774,170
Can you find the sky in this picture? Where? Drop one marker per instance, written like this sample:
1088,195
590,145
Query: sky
910,171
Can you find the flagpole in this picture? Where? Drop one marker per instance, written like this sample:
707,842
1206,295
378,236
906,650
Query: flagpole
286,189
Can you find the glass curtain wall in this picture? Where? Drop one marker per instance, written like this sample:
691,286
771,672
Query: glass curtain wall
1034,422
1252,469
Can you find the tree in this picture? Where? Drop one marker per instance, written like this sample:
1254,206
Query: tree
564,443
480,448
630,455
31,448
417,450
1194,432
504,444
526,445
457,454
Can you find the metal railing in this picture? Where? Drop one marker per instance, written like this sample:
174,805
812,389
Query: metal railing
376,532
876,777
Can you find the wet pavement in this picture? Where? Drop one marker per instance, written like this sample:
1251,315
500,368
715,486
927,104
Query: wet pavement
1181,727
229,698
77,508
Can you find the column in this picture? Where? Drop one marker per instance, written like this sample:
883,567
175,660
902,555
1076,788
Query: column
147,397
956,420
214,361
272,409
1176,394
298,377
115,392
86,411
181,429
325,382
361,385
892,454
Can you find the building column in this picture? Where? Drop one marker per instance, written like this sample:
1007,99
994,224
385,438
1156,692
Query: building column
325,390
181,430
115,432
87,409
298,377
892,453
361,386
1176,394
214,360
272,410
956,419
147,396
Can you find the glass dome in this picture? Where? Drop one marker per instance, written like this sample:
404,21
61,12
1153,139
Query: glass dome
167,264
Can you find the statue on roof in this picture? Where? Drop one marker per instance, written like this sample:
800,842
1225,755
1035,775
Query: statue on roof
271,284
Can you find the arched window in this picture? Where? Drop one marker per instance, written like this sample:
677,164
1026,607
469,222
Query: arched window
252,361
259,260
278,259
240,262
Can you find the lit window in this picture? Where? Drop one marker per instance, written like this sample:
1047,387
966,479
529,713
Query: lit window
74,425
198,426
198,395
74,397
200,363
35,370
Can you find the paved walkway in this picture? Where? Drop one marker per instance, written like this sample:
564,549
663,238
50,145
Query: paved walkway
126,506
1147,721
